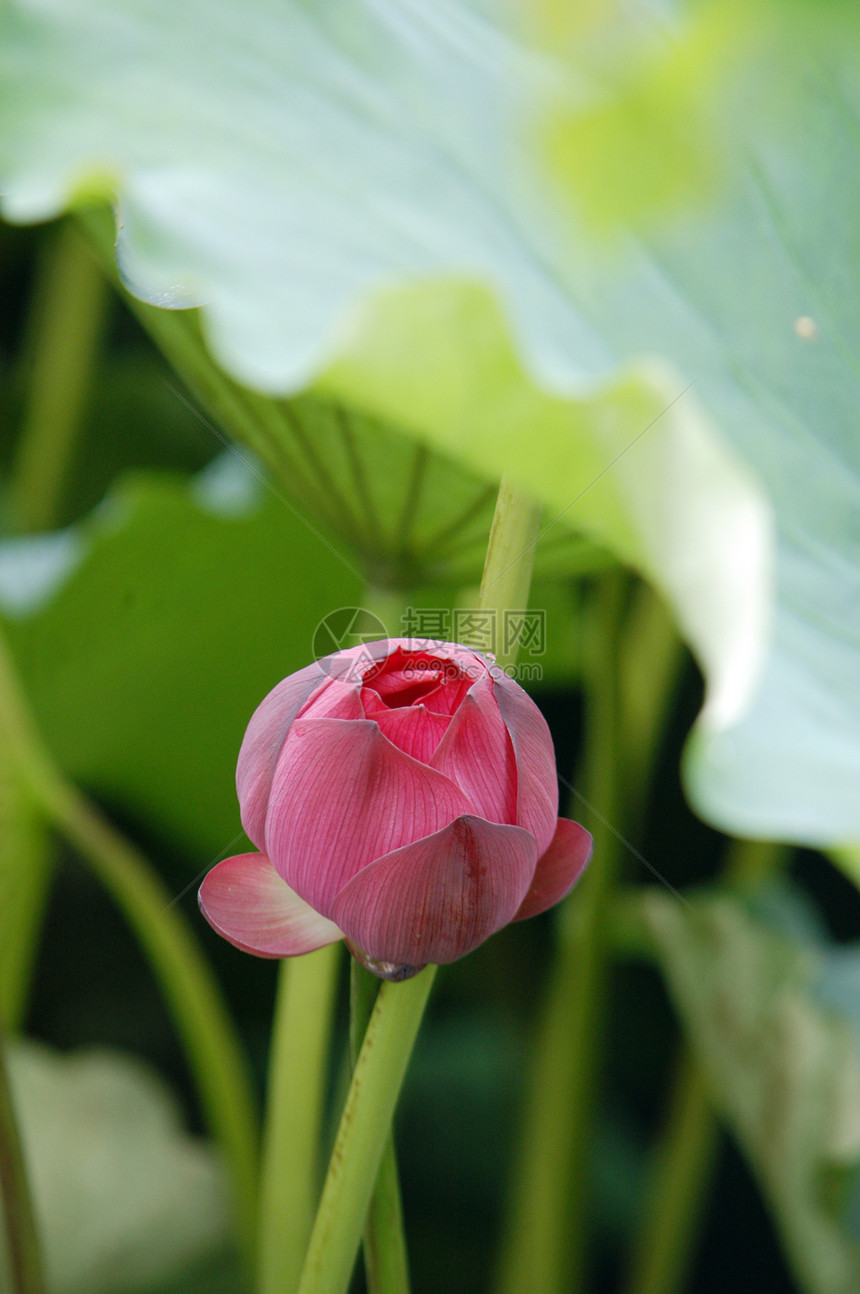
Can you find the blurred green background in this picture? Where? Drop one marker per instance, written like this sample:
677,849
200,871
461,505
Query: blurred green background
190,588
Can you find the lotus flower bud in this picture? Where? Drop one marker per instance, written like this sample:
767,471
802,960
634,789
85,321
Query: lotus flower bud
403,797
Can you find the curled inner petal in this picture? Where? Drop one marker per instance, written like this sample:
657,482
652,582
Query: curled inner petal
414,730
407,677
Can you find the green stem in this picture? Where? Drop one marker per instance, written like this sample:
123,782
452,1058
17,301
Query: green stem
544,1248
25,848
366,1121
214,1052
289,1186
21,1235
66,330
363,992
510,558
64,335
669,1228
649,659
212,1047
386,1262
672,1212
364,1130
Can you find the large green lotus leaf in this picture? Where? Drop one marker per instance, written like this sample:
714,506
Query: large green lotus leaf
422,519
125,1199
773,1021
161,624
286,164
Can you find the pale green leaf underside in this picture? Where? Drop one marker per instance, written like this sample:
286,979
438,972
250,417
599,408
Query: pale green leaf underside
125,1199
296,168
783,1068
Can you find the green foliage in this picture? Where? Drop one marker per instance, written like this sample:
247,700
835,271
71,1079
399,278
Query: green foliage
620,268
418,168
783,1067
173,627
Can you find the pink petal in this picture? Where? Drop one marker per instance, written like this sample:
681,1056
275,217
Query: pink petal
408,684
372,703
445,698
264,738
537,785
436,899
342,796
247,902
414,730
336,700
558,869
476,753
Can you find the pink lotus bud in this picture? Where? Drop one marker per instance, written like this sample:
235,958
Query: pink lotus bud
403,797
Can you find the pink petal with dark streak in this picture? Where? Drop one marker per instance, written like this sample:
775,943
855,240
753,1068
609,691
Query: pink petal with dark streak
437,899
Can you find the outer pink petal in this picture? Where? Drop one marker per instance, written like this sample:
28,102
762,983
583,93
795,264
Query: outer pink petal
478,756
437,899
413,730
558,869
273,718
264,738
537,785
342,796
247,902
